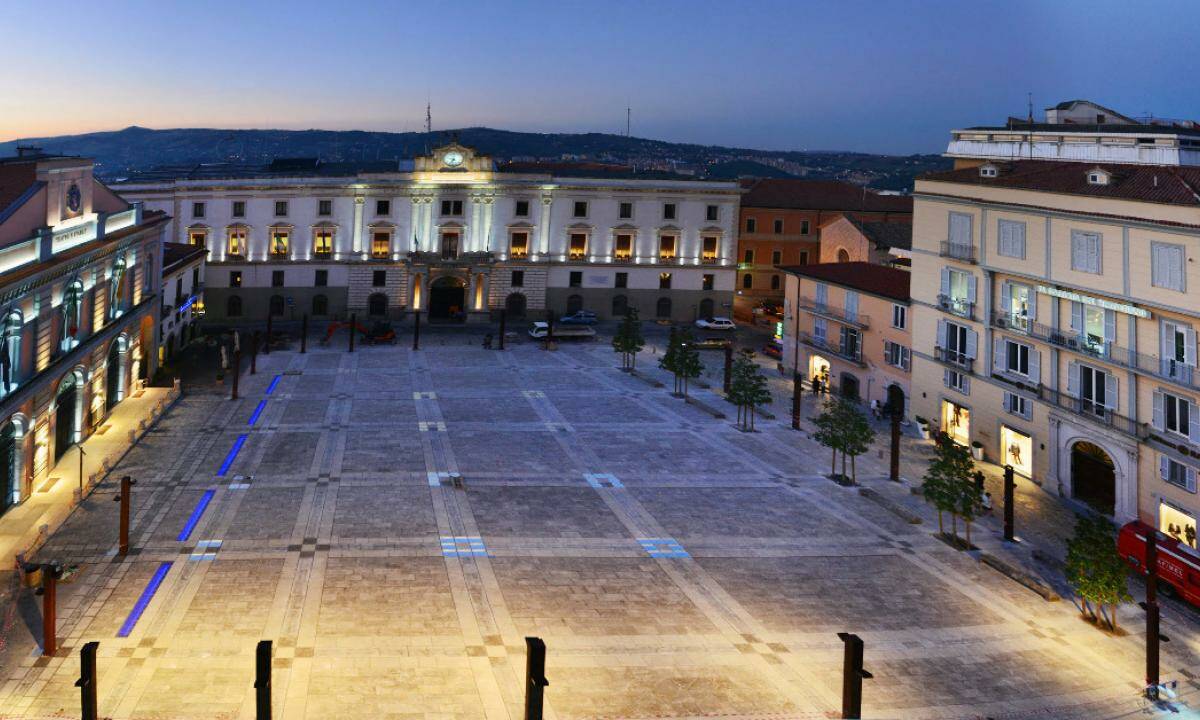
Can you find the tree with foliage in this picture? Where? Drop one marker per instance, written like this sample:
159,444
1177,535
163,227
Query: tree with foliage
670,358
945,480
747,390
843,428
687,361
1094,569
968,502
629,341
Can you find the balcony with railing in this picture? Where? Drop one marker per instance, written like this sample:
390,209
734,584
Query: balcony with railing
958,251
1094,412
836,314
954,358
957,306
851,353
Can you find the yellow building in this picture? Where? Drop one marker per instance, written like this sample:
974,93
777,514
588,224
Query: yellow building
1056,330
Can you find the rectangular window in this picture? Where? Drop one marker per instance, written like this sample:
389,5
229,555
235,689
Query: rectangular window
623,247
666,247
580,209
383,207
668,211
957,294
197,209
578,246
1011,239
522,209
280,242
235,278
325,208
1167,266
776,257
452,207
1085,252
706,282
379,278
778,226
1174,414
956,381
803,257
625,211
1182,476
321,278
622,280
1096,389
747,281
1016,358
712,213
518,278
664,281
960,230
709,251
899,317
381,245
820,330
896,355
198,237
751,225
748,257
239,209
276,278
1018,405
957,343
323,242
518,245
804,226
237,241
576,279
281,208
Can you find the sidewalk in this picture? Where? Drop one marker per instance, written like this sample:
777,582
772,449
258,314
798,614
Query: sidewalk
27,526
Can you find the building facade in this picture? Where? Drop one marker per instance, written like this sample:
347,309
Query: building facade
847,327
455,236
1056,328
846,239
183,297
79,298
781,224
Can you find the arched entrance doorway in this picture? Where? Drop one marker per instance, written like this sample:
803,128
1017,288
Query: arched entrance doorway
447,298
662,308
895,400
114,381
849,386
706,308
10,466
514,306
66,417
574,304
1093,477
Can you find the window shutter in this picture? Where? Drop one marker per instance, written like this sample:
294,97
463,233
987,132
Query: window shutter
941,336
1006,305
1193,422
1073,379
1094,253
1076,317
946,377
1027,410
945,282
1033,303
1110,391
1189,347
1035,366
1159,421
1191,480
999,356
972,344
906,360
1077,251
852,305
1163,467
971,289
822,294
1110,328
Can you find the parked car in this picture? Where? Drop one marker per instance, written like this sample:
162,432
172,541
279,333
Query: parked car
717,323
582,317
540,330
773,349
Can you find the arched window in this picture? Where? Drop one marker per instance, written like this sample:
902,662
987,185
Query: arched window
574,304
663,308
514,305
706,308
116,289
320,305
72,314
10,350
620,306
843,255
233,306
774,282
277,305
377,304
747,281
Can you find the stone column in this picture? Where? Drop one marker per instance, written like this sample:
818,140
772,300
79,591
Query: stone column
476,240
544,228
356,248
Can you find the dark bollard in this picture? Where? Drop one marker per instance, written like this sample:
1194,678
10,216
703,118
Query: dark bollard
87,681
304,334
267,347
1010,487
852,675
549,328
535,677
353,326
797,389
49,610
254,353
416,330
728,382
126,497
503,324
1152,615
237,372
894,468
262,680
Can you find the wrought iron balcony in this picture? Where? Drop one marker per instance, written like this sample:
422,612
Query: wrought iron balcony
957,306
954,358
834,313
852,354
1095,412
958,251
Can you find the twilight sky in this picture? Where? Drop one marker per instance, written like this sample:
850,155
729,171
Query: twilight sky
855,75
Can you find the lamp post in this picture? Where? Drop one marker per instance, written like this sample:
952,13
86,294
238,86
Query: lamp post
894,468
304,334
1010,487
852,675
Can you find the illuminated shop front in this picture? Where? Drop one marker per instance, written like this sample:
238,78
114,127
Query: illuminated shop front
956,422
1017,450
1176,523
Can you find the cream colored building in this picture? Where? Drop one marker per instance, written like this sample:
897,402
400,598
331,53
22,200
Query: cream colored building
1056,327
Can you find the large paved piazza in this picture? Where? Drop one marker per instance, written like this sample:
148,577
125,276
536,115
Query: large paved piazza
674,566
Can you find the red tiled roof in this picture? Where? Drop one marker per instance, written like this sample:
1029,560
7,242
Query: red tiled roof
1146,183
15,181
867,277
788,194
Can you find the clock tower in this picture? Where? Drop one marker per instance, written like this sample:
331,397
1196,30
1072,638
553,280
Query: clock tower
453,158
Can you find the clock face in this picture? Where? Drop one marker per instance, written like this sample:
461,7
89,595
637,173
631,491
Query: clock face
453,158
74,198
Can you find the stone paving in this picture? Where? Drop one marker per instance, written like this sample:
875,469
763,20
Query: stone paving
675,566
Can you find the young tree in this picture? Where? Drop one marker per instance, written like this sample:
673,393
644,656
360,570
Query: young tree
943,484
1094,569
629,341
687,361
747,389
829,431
969,501
858,433
670,358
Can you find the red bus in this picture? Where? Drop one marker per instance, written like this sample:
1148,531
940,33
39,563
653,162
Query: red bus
1178,563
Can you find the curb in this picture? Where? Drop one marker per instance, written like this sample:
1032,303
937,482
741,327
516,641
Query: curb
891,506
1022,577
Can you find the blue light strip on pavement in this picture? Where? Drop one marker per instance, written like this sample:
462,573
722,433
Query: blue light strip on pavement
271,387
262,405
147,595
237,447
186,532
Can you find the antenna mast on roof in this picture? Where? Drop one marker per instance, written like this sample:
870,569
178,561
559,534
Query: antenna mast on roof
628,113
1029,101
428,118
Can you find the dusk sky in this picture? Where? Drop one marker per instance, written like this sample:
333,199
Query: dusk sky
873,76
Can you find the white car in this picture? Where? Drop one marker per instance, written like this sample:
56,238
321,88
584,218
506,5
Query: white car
717,323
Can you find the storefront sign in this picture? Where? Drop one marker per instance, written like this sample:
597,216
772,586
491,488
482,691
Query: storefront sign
1094,301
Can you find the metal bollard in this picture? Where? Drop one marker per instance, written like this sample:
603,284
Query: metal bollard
1010,487
852,675
262,680
125,498
353,325
503,324
535,677
894,467
304,334
727,383
87,680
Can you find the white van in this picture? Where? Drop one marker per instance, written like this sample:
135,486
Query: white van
539,331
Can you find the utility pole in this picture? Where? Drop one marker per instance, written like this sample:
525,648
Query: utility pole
628,114
894,469
428,118
1152,614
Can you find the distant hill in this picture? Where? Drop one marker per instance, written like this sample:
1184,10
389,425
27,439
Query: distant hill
120,152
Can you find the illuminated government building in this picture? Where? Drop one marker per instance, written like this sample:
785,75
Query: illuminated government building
79,308
453,234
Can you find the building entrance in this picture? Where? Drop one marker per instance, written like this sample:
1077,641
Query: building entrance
64,417
1093,477
447,299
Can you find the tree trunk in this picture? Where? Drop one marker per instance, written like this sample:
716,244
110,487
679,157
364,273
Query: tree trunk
954,524
968,524
833,464
853,469
941,530
843,464
1112,617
